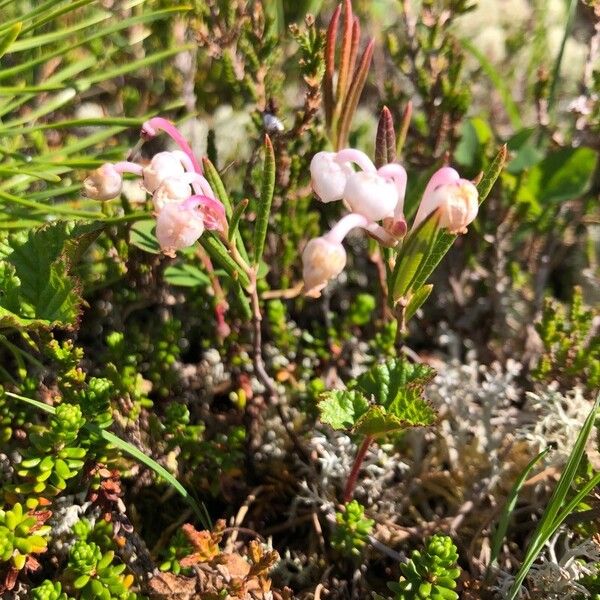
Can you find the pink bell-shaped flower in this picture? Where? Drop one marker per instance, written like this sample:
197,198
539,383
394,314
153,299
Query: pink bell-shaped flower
178,226
371,195
104,183
328,176
456,199
322,260
162,165
171,189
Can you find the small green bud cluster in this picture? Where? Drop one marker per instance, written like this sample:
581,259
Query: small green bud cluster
431,574
21,534
54,456
49,591
94,576
353,529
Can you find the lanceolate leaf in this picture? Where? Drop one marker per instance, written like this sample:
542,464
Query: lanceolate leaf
446,239
413,255
264,203
234,222
213,177
221,256
417,299
359,79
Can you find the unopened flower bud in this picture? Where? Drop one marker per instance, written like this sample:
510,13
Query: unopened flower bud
371,195
328,176
322,260
104,183
178,227
162,165
172,189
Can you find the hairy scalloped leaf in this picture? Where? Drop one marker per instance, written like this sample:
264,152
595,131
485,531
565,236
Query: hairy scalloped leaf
37,290
397,386
377,421
341,409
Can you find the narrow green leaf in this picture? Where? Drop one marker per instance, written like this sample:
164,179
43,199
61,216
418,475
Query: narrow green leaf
61,34
142,236
7,38
217,251
234,222
263,209
128,67
412,256
27,66
417,299
53,15
509,506
216,183
186,275
553,517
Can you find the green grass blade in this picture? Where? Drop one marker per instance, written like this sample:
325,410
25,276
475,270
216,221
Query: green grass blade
555,511
509,506
7,39
47,18
133,452
101,33
264,203
135,65
57,36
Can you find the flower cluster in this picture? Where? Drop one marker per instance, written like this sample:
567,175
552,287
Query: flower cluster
377,195
184,202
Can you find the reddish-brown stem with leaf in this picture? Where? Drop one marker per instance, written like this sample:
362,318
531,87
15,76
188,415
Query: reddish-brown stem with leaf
358,461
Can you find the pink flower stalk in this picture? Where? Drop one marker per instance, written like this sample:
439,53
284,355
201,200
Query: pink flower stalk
151,128
456,199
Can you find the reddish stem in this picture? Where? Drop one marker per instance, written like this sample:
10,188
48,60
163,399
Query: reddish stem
353,476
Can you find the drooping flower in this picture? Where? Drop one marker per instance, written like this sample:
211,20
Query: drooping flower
372,195
322,261
328,176
456,199
104,183
178,226
162,166
184,202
